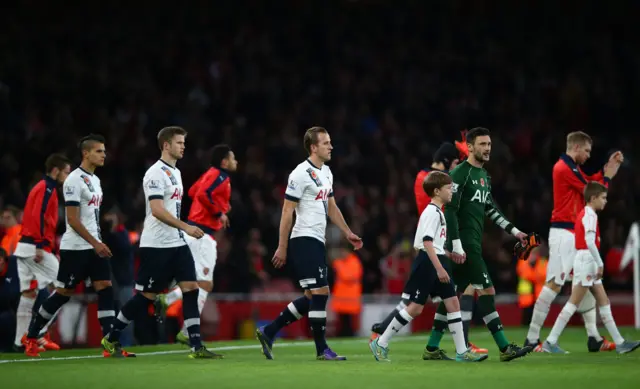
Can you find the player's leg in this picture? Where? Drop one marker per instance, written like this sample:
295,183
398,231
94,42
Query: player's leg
204,254
467,305
604,307
417,288
27,300
480,279
577,294
100,275
72,270
184,272
560,246
45,273
440,323
464,351
153,277
378,329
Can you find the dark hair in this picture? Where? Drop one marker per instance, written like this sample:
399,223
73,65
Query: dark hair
15,211
435,180
87,143
59,161
476,132
167,134
311,137
446,154
593,189
218,153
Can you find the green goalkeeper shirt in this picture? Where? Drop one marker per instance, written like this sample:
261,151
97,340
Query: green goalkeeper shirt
470,204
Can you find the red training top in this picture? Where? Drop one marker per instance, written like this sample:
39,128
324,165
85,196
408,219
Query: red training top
210,195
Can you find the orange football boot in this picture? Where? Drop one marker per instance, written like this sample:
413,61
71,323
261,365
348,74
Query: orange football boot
24,343
477,349
31,348
47,343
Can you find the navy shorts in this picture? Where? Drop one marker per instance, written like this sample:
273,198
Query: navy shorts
78,265
309,259
424,281
160,266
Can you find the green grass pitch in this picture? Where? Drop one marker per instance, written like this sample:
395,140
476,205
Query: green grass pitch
294,366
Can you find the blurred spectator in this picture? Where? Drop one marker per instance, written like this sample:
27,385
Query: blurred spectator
346,291
11,224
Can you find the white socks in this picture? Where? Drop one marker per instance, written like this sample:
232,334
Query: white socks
455,328
591,325
610,324
400,320
540,312
23,318
561,322
202,299
174,295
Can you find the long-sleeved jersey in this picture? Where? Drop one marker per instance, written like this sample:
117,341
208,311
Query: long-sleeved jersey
470,203
40,216
210,195
568,191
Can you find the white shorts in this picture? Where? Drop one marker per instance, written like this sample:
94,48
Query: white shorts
44,272
204,251
585,269
562,251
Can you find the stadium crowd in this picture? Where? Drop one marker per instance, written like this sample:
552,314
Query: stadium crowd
389,84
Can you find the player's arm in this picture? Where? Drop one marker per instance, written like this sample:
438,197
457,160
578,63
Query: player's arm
208,194
72,190
590,223
451,211
37,215
292,196
497,217
336,215
429,232
154,187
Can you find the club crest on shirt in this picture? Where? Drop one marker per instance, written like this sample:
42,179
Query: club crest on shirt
168,173
314,177
88,182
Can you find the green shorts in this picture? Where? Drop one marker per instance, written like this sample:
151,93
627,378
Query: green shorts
472,272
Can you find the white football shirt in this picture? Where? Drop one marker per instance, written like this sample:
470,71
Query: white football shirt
162,181
431,227
82,189
310,187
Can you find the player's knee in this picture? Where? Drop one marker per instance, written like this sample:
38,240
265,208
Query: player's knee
452,304
149,295
206,285
414,310
553,286
307,294
31,293
490,291
188,286
100,285
470,290
65,292
323,291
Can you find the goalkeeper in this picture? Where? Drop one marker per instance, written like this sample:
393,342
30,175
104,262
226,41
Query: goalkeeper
465,215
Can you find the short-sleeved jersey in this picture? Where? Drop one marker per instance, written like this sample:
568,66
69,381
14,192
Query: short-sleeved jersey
310,187
586,221
82,189
162,182
432,227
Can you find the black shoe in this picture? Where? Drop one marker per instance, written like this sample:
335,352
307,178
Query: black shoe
17,349
530,344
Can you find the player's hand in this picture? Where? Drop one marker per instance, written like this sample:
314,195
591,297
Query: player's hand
102,250
600,273
355,240
194,231
443,276
617,157
280,257
224,219
522,237
458,258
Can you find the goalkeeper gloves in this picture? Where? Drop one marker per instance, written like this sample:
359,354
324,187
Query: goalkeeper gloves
522,251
